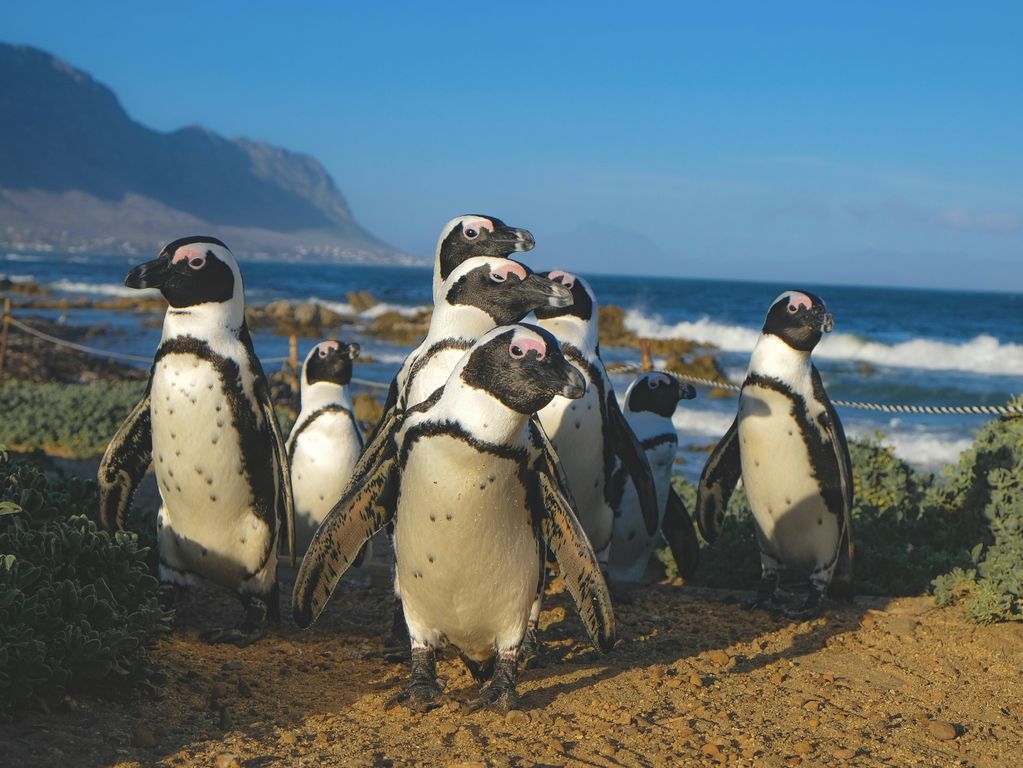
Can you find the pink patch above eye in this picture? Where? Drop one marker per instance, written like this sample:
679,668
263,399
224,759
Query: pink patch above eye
504,270
191,255
798,300
565,278
520,346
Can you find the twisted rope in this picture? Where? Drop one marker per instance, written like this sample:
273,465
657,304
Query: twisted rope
140,358
936,410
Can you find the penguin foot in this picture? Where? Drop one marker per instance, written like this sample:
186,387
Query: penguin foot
397,642
532,652
425,692
812,607
500,694
766,598
167,594
241,636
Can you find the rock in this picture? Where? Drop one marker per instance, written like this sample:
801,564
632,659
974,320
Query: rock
516,717
696,681
802,748
218,691
942,729
719,657
446,729
710,749
226,721
142,736
232,666
288,739
320,741
844,753
228,760
244,690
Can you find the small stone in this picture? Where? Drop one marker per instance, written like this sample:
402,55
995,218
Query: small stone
142,736
244,689
218,691
320,741
867,622
719,657
696,681
813,722
228,760
941,729
556,745
516,717
288,739
710,749
232,666
623,718
844,753
802,748
226,721
446,729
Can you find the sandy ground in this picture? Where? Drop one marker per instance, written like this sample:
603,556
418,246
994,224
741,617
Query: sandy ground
695,679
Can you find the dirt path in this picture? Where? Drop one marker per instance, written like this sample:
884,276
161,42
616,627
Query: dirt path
694,679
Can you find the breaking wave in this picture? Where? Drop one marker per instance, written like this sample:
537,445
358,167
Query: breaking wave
982,354
100,289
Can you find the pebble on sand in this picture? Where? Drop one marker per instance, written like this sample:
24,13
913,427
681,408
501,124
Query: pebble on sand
228,760
943,730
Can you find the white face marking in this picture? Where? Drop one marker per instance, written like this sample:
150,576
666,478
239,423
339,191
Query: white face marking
655,380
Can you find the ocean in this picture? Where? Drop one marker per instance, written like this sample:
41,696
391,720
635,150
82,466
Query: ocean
914,347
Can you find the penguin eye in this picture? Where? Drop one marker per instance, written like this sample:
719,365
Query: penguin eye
197,262
471,234
498,277
654,383
322,352
793,309
516,351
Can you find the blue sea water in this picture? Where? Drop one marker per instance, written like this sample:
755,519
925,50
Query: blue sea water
918,347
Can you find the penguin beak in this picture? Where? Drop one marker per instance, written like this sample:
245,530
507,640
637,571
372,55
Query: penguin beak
576,384
544,292
152,274
520,239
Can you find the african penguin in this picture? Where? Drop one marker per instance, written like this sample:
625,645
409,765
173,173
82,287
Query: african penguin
326,441
472,235
207,424
650,403
477,497
788,447
591,433
478,295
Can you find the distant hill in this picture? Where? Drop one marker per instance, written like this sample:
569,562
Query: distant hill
77,172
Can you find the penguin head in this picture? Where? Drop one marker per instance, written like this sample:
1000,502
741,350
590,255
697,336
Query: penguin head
799,319
189,272
504,289
467,236
523,367
330,362
584,301
658,393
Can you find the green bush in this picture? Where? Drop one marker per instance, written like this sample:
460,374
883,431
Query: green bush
989,481
71,419
78,608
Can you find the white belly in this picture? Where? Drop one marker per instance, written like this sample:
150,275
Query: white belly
575,427
206,524
468,559
795,524
632,546
431,376
325,454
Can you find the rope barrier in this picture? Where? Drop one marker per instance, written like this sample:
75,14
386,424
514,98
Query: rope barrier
937,410
140,358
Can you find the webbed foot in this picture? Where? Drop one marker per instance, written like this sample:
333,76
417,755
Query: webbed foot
241,636
812,607
500,694
766,598
424,693
259,612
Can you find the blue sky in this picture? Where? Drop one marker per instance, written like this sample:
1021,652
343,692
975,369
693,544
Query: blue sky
869,143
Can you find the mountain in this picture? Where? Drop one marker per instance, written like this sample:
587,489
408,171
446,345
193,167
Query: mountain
77,172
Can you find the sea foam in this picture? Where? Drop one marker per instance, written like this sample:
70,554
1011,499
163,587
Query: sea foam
982,354
101,289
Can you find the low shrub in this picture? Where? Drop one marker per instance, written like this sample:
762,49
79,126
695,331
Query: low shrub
78,607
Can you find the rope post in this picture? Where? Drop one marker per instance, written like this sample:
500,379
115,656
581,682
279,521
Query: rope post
646,363
293,365
3,335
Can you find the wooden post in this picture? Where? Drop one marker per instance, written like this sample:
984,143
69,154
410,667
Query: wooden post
3,335
646,363
295,370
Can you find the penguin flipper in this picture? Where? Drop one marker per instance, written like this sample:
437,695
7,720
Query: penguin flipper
367,506
680,534
841,586
630,451
124,464
717,483
566,539
285,498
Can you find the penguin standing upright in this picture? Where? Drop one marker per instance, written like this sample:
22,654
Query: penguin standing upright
590,434
788,447
208,425
476,496
326,441
650,402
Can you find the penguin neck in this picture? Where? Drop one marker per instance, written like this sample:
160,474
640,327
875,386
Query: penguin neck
322,394
773,358
568,329
205,321
480,413
458,321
